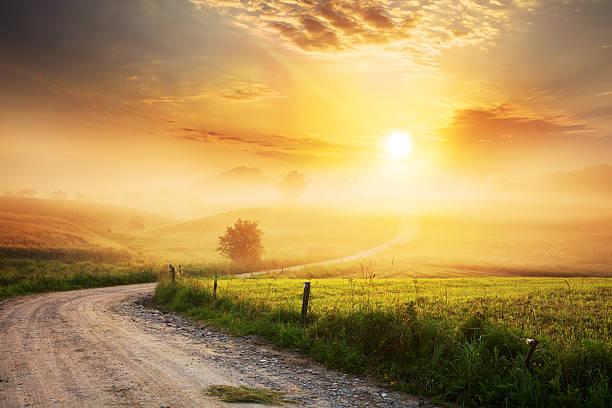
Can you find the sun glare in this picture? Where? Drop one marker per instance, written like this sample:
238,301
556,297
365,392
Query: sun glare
399,145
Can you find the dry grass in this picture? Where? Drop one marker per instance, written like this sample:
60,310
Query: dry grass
292,235
227,393
447,246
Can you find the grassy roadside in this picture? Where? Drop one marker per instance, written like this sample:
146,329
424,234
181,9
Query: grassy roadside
458,354
26,276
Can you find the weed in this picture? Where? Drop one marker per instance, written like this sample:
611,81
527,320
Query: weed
227,393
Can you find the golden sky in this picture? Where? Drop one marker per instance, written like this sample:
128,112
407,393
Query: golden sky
152,94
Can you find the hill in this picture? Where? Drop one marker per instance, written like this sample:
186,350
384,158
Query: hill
83,230
63,225
490,239
292,234
591,184
96,217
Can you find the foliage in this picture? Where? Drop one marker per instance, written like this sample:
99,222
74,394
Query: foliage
242,242
293,186
459,340
24,276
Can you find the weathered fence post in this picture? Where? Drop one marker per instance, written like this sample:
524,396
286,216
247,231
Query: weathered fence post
533,343
305,301
172,272
215,289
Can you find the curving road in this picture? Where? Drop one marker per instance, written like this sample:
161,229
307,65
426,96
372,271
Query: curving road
406,232
101,348
68,349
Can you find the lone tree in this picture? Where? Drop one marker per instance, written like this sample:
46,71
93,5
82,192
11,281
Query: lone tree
242,242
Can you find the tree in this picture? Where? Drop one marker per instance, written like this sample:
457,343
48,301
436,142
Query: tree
293,186
26,192
241,242
59,195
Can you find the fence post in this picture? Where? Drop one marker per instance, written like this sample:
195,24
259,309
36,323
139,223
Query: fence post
533,343
305,301
215,289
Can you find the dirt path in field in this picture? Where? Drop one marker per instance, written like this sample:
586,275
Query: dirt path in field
406,232
102,347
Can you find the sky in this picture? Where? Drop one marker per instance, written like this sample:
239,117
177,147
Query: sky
144,98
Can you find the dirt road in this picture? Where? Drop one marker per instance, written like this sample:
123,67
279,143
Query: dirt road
100,347
407,230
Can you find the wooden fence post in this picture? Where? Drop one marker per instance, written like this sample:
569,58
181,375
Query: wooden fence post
305,301
533,343
215,289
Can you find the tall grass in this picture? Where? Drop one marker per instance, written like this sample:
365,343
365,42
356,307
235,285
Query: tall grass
24,276
453,340
109,255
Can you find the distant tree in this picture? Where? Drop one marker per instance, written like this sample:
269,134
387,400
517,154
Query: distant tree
26,192
80,196
241,242
59,195
293,185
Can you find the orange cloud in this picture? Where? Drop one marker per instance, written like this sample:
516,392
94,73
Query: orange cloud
332,25
506,121
508,136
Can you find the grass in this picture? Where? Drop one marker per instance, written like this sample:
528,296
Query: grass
227,393
26,276
461,245
293,235
458,340
78,231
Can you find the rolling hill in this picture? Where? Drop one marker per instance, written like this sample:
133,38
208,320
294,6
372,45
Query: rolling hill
292,235
591,184
65,226
75,229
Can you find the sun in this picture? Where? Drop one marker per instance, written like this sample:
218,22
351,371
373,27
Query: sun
399,145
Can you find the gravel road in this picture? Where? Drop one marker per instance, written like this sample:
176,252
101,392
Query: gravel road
103,347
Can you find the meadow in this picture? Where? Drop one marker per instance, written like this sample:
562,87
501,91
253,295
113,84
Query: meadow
293,235
458,245
458,340
23,276
79,231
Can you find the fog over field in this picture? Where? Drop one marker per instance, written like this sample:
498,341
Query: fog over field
417,193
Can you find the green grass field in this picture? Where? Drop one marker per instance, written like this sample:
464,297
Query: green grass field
459,340
24,276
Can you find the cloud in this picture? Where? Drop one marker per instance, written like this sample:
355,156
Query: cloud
242,91
238,139
288,157
304,149
508,121
158,118
329,26
196,135
509,137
